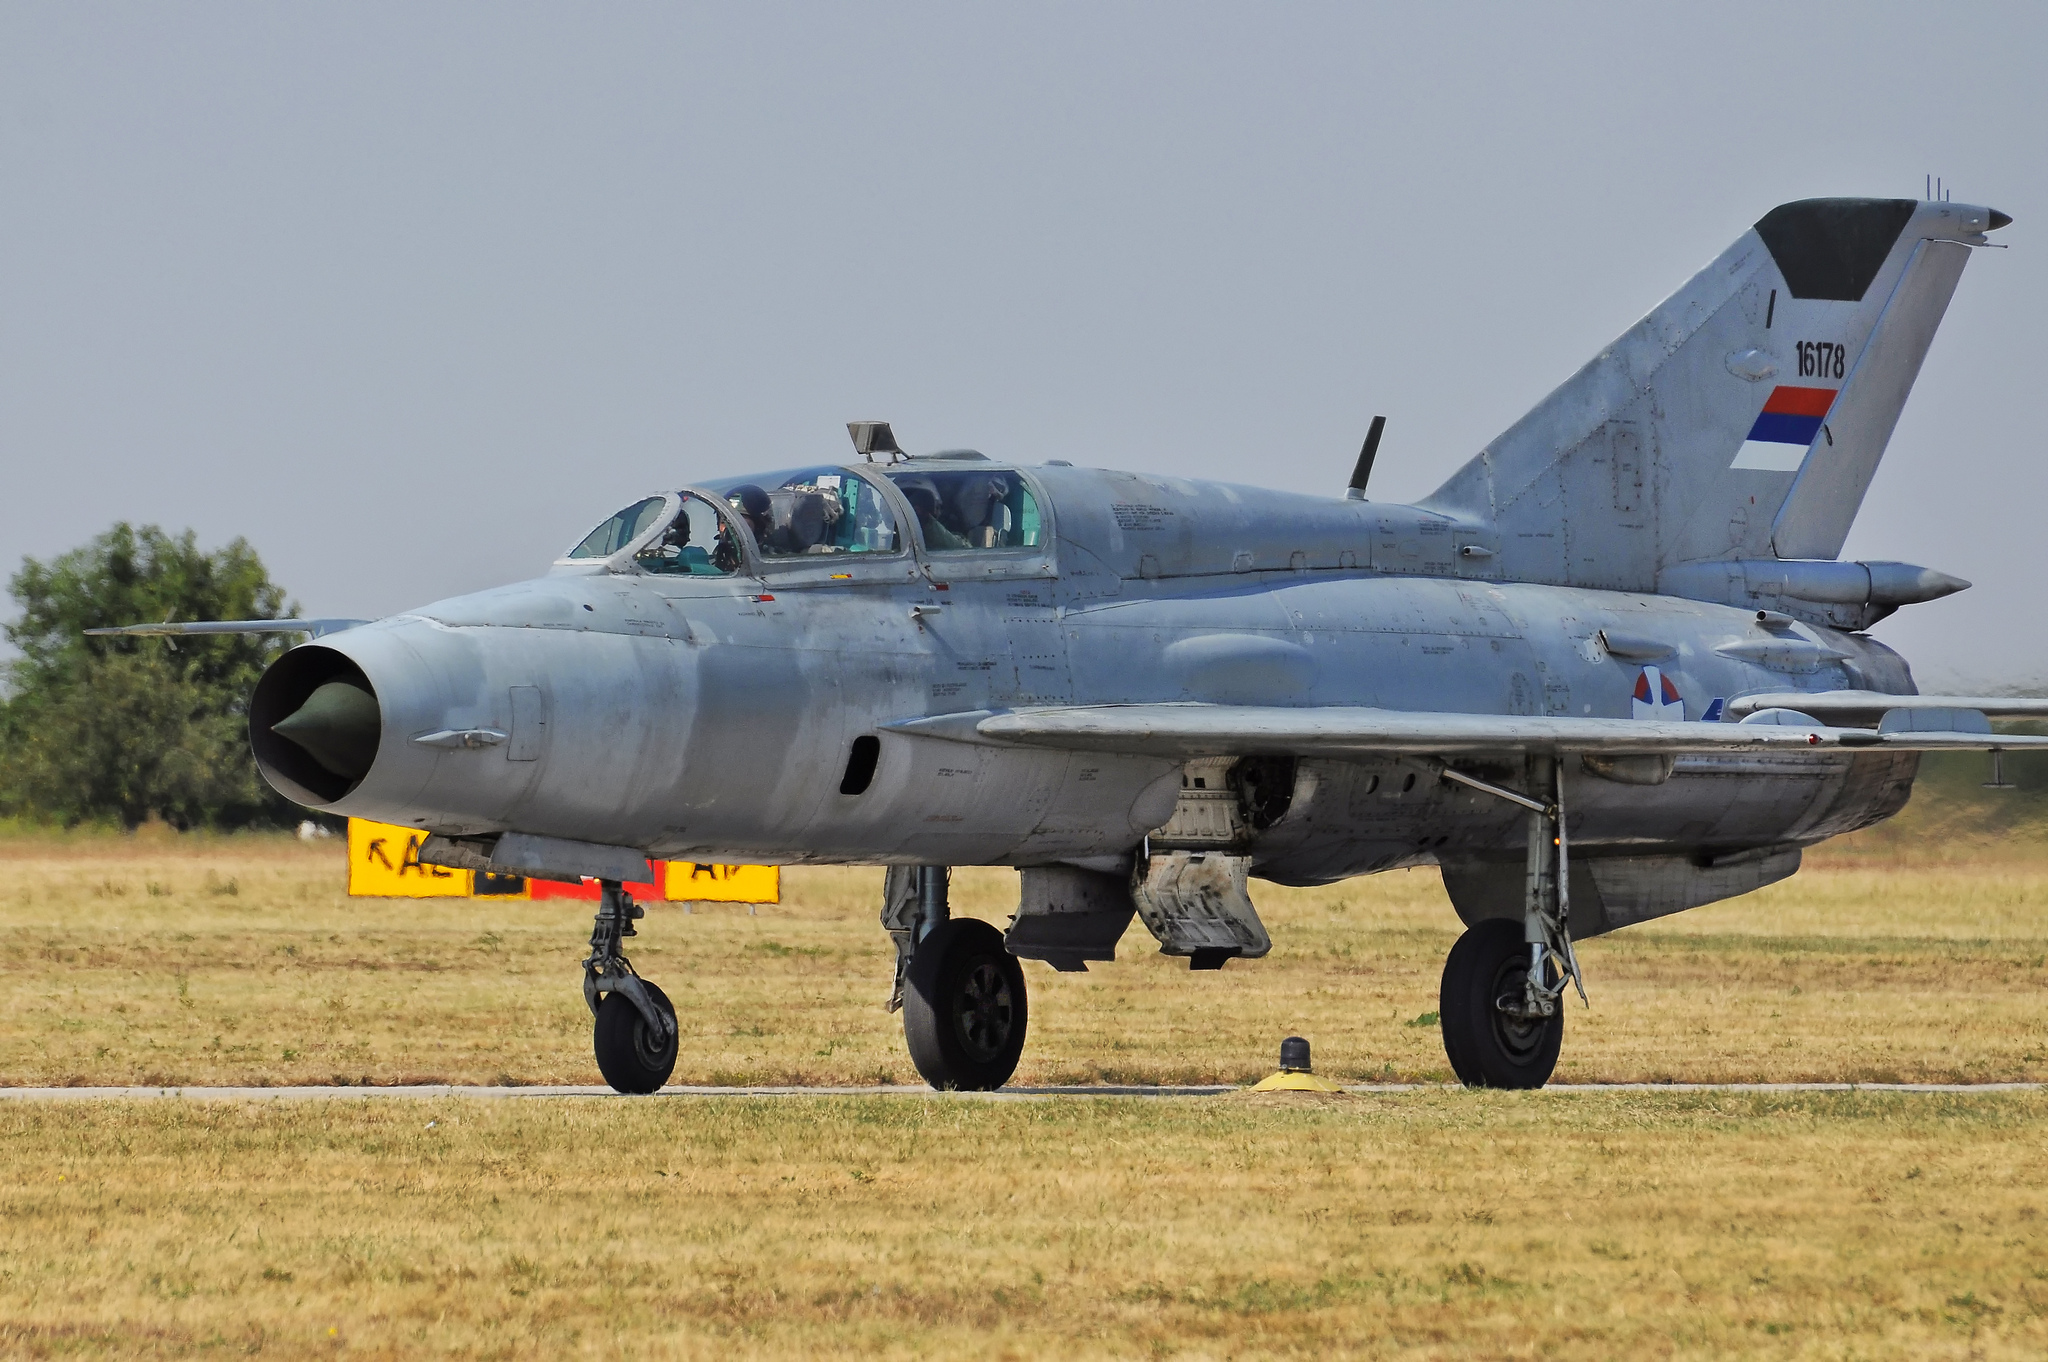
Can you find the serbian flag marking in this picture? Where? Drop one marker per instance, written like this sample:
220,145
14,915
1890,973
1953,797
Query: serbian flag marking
1655,697
1785,429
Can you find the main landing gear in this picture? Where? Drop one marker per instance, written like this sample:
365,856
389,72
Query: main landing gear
635,1033
1493,1037
960,989
1501,1005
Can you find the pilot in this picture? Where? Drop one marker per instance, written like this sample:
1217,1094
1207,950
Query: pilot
725,552
665,555
975,502
923,497
753,505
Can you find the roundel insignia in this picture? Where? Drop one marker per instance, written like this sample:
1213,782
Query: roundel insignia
1655,696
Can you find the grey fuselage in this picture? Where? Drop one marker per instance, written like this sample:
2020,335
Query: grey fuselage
712,718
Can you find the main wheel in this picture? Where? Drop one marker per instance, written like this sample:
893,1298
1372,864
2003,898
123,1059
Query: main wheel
629,1055
964,1012
1489,1048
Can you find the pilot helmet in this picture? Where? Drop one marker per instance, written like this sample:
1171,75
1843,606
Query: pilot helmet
921,492
975,496
754,508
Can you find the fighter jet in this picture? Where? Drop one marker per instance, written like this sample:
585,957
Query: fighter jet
1612,670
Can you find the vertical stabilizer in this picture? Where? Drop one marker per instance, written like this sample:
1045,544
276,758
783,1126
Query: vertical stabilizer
1744,417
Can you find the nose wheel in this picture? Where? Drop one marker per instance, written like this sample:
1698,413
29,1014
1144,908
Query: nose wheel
634,1032
632,1053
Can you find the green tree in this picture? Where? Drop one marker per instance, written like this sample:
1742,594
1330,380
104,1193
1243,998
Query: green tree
130,728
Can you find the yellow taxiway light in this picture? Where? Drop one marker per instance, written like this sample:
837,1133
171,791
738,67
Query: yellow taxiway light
1294,1075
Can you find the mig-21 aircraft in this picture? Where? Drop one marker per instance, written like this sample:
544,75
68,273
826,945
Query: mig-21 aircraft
1613,669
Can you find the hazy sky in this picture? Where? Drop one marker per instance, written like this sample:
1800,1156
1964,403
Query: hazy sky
413,295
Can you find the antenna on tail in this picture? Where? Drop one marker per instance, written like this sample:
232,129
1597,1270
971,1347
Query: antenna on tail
1363,471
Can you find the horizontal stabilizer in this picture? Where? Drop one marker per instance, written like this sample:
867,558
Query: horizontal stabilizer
1182,731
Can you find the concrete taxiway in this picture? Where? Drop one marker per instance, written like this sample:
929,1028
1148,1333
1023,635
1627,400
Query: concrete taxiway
440,1090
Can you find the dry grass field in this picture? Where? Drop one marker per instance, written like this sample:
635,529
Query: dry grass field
240,960
1437,1224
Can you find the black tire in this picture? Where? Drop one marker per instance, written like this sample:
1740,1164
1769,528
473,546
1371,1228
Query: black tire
964,1014
628,1055
1487,1047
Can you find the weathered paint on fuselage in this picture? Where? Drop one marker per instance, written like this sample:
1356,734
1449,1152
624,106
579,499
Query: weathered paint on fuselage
711,718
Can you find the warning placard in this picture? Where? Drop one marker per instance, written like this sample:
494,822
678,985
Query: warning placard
689,882
384,862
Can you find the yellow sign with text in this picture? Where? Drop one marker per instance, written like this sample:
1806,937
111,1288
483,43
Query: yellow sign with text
689,882
384,862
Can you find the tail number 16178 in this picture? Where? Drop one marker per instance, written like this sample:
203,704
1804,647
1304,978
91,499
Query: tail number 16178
1821,359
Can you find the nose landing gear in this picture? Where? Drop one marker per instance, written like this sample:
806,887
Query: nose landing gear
635,1034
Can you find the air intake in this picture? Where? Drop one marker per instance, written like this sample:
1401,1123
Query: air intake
315,725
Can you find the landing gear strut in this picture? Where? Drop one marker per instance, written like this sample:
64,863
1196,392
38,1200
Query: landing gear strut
960,989
635,1035
1501,1005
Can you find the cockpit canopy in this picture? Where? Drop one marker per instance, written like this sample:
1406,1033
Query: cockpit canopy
621,530
678,535
812,511
697,542
977,508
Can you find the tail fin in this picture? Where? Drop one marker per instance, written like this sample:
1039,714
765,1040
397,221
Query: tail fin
1744,417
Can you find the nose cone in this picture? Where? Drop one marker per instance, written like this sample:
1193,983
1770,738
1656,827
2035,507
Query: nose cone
338,726
315,725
